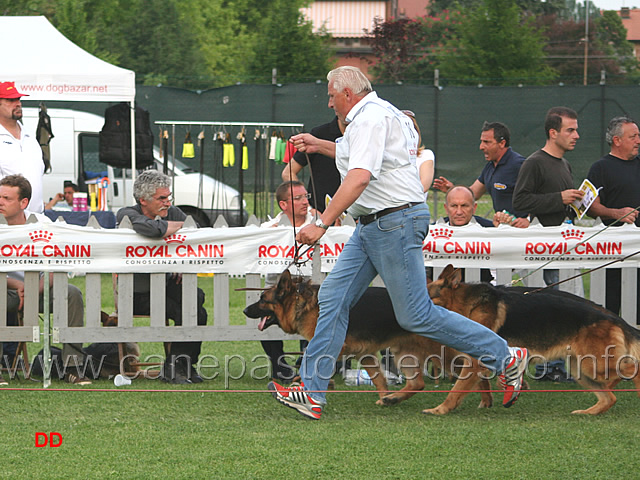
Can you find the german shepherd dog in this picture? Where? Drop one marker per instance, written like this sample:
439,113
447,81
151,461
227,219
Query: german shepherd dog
293,305
601,348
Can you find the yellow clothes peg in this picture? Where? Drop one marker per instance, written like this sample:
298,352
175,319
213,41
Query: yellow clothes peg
188,151
245,157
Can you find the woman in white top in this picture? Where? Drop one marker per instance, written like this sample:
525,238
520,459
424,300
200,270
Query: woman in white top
426,159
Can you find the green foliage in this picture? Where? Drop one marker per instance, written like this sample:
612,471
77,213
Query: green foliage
195,44
408,50
496,45
534,7
611,38
287,43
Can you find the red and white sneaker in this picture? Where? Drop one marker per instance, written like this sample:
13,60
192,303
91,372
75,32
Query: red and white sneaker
512,377
295,397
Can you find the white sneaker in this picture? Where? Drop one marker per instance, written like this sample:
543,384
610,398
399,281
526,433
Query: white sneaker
295,397
513,375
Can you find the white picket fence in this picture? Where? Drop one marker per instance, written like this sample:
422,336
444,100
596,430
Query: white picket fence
218,327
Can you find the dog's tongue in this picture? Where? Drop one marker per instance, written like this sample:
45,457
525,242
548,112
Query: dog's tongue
263,321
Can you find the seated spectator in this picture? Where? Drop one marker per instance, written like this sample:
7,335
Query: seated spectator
153,216
63,201
460,205
293,200
15,193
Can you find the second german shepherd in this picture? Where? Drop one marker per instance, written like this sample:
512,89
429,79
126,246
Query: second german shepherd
293,305
601,348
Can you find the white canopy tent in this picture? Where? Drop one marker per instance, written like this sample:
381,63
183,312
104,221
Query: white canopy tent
48,66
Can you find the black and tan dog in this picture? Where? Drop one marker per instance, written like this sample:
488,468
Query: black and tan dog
602,349
293,305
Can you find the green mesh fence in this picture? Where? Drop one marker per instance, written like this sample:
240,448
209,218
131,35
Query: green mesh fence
450,120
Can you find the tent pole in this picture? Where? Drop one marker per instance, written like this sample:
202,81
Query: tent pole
133,154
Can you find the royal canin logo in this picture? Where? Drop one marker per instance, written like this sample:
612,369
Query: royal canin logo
289,251
441,232
51,250
570,247
41,236
175,238
573,234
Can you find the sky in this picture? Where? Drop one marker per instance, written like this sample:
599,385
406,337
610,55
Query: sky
615,4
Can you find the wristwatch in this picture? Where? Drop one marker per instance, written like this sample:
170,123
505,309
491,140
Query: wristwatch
320,224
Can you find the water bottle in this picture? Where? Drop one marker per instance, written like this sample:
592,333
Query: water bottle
356,377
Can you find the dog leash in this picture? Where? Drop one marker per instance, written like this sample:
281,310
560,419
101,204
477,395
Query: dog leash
584,273
520,279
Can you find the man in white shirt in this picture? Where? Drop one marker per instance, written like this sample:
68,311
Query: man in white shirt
20,152
381,188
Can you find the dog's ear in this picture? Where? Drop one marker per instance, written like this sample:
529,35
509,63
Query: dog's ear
456,278
285,284
447,273
451,276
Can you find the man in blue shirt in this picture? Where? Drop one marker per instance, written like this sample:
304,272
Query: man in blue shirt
499,175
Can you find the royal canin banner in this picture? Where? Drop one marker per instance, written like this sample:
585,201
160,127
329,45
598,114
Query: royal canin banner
568,246
61,247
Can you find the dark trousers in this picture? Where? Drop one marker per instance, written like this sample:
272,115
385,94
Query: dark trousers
141,306
274,349
613,298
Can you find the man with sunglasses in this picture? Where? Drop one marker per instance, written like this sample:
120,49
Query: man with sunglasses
293,200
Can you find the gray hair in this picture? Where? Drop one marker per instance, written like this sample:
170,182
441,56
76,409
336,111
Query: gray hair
615,128
350,77
148,182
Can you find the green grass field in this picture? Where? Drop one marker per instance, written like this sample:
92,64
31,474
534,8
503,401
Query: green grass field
175,432
234,429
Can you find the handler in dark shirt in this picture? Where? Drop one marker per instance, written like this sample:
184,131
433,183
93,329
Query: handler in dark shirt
618,173
326,178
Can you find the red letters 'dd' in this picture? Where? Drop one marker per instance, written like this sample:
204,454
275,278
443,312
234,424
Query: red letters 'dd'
54,439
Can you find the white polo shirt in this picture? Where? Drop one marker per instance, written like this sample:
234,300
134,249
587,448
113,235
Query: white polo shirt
381,139
23,156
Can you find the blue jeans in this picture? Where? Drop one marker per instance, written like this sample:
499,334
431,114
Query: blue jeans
391,247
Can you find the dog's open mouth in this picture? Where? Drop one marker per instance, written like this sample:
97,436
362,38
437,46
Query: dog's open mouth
266,322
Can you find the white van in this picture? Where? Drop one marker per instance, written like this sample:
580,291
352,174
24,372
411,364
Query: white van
74,151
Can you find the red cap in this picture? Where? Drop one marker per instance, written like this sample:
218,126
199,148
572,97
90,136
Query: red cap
8,90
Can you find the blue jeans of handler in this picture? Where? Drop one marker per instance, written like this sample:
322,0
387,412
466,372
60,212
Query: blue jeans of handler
391,247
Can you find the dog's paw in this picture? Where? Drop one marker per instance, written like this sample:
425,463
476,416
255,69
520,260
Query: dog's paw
434,411
388,400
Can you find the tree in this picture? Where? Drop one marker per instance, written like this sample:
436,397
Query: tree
495,44
286,41
611,38
72,20
408,50
224,42
396,45
532,7
608,48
